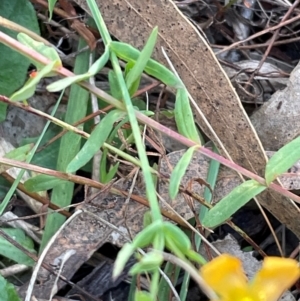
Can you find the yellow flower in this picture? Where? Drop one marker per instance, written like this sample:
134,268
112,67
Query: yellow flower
225,275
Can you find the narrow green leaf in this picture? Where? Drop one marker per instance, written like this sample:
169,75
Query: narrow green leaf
149,262
8,291
13,65
147,235
96,14
123,256
95,141
157,70
142,60
179,171
47,51
142,296
132,290
29,88
66,82
70,144
213,171
146,169
105,176
25,92
196,257
147,219
103,165
135,85
178,236
173,247
282,160
172,272
115,90
100,63
19,153
231,203
184,116
42,183
51,4
10,251
112,172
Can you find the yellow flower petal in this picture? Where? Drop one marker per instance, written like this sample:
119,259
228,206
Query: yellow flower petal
226,277
275,277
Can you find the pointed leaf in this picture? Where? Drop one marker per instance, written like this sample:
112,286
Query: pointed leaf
184,116
178,236
13,65
47,51
51,4
112,172
142,296
157,70
29,88
282,160
135,85
142,60
231,203
66,82
19,153
147,235
115,90
8,291
100,63
124,254
195,256
95,141
149,262
10,251
179,171
42,183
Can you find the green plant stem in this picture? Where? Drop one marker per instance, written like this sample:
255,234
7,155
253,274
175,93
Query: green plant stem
70,143
154,284
150,188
